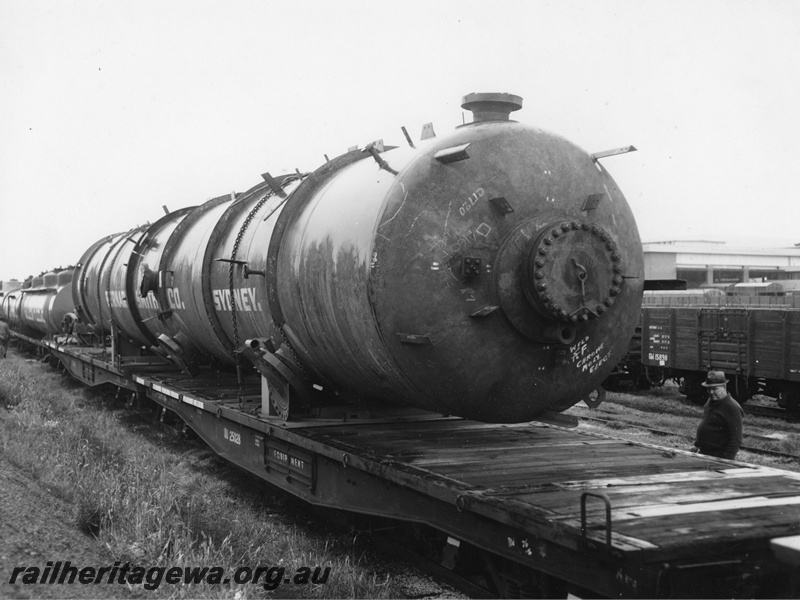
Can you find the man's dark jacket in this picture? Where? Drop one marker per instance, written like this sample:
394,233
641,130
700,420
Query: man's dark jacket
720,431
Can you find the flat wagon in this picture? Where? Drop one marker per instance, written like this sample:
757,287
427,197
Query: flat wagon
545,509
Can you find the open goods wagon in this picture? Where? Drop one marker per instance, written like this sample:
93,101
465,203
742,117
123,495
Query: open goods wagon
758,348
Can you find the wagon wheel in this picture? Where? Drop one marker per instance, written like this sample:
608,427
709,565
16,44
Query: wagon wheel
650,378
693,390
790,400
739,387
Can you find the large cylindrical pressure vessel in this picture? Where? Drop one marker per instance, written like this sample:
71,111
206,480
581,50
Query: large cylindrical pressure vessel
186,319
120,292
494,273
132,283
141,279
213,270
89,294
234,268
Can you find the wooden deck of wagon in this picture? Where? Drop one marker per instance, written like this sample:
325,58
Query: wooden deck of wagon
665,506
653,518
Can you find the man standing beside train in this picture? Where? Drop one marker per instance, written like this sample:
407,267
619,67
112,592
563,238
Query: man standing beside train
5,336
720,431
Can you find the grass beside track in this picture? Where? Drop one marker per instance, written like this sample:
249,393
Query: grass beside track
155,500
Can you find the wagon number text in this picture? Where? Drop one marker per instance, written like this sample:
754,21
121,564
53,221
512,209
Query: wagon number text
233,436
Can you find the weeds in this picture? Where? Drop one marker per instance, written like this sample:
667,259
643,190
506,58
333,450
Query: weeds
154,502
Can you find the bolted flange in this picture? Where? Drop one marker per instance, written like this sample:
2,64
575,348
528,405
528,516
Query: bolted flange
572,271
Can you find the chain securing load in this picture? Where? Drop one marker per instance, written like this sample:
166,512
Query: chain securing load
281,367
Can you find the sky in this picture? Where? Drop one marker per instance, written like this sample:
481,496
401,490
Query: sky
111,109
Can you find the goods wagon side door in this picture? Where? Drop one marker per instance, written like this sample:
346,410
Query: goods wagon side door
771,333
723,339
791,345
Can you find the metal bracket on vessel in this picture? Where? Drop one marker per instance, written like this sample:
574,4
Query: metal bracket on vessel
451,155
591,202
246,270
486,310
414,338
614,152
288,394
374,152
408,137
172,350
594,402
274,185
501,205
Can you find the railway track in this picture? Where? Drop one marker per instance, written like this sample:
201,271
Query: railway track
662,432
771,412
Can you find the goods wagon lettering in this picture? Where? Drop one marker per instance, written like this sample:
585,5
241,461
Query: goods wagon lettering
245,298
658,356
659,338
174,298
233,436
